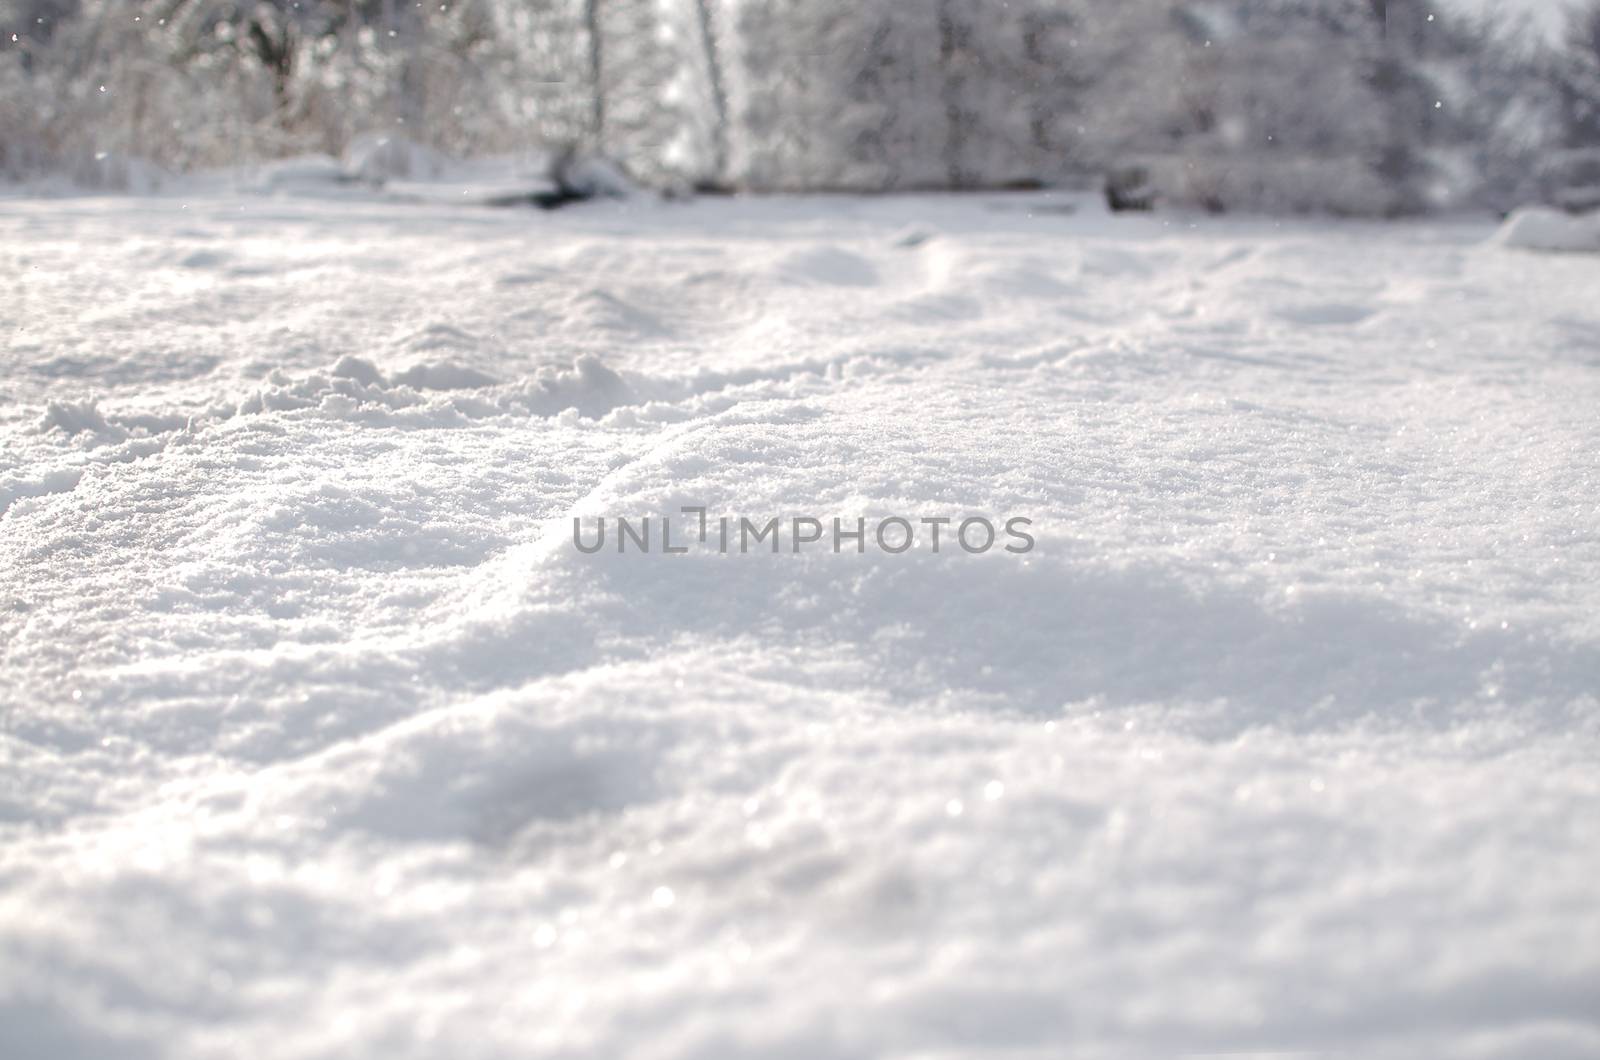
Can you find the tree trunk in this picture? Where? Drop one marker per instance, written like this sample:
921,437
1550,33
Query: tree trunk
950,59
597,116
719,92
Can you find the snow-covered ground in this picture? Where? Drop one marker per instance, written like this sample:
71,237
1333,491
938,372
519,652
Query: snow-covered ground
319,738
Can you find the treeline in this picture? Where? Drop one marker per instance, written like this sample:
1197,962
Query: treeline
1348,106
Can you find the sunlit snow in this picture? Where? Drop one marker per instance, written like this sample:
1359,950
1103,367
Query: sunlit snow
320,738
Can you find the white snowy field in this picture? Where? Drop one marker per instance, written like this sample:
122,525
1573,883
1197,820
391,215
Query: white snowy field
319,738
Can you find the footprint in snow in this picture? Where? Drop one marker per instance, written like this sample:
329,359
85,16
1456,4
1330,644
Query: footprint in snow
1326,314
829,265
440,337
204,259
602,310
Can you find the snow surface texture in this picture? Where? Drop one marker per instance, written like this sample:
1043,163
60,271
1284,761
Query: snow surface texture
320,739
1541,228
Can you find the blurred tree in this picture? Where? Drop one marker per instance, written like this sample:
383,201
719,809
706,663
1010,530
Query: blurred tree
1577,78
1572,174
1351,106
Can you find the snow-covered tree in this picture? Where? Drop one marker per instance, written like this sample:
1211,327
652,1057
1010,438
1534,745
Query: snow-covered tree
1241,105
904,94
1571,174
204,82
821,97
696,34
641,60
1578,78
1350,106
1008,85
1408,100
1494,112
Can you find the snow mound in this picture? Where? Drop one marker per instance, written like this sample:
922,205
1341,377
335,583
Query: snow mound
14,488
74,417
914,235
443,375
354,387
306,173
309,700
588,386
829,266
607,312
129,173
378,158
597,178
1541,228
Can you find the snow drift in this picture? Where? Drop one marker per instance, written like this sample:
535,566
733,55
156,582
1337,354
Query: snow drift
1541,228
320,738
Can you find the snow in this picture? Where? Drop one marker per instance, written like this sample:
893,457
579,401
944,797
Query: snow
321,738
1546,17
379,158
1541,228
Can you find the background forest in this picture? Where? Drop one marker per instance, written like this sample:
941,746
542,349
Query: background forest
1354,107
